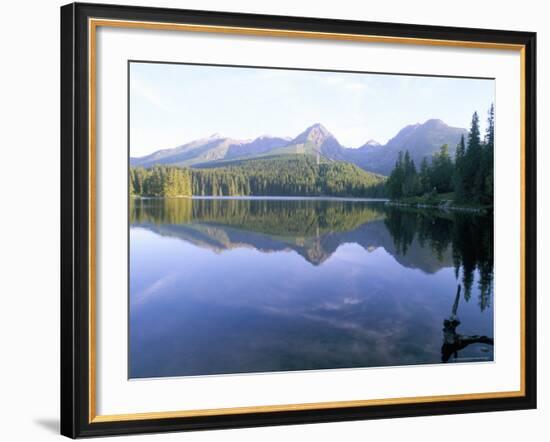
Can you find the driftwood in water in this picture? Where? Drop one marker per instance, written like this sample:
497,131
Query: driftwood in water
453,342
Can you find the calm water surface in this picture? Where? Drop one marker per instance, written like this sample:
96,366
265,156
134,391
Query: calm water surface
259,285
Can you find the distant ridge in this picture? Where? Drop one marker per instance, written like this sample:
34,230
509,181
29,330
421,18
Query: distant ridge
421,140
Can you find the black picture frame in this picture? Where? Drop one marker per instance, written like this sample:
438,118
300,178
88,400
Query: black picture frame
75,220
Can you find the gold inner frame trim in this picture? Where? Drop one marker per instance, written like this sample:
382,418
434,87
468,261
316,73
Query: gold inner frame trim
93,24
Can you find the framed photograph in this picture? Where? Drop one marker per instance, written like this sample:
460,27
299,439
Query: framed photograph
274,220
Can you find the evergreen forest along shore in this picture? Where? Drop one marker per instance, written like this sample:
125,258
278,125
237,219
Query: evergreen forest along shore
463,180
466,181
291,175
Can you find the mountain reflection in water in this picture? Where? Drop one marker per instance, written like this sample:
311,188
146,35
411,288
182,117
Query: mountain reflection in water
257,285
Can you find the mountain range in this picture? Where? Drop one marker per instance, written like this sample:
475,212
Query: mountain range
421,140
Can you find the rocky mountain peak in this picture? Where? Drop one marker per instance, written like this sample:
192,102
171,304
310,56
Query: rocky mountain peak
434,123
316,134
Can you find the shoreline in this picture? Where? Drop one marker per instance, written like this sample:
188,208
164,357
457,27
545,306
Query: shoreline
444,206
272,198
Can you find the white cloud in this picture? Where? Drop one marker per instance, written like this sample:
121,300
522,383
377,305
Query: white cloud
141,89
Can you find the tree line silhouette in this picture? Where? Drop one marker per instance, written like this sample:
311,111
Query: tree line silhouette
293,175
469,175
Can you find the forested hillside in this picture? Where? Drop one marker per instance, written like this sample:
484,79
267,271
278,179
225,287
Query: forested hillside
291,175
466,179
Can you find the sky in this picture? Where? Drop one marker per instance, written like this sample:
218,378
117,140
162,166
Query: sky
172,104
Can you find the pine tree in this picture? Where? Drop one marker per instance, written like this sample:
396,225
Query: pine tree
424,176
459,171
395,181
442,170
488,158
410,183
473,174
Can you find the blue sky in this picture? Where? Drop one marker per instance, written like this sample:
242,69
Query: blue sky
171,104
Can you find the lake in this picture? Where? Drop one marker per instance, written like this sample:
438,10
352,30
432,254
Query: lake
221,286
